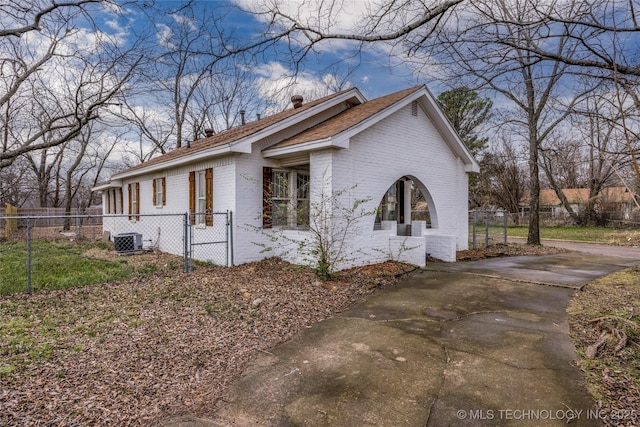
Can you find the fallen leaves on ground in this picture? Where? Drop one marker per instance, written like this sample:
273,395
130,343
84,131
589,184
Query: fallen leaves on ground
135,352
131,353
604,319
505,250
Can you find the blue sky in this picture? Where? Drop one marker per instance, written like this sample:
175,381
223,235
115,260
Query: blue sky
369,71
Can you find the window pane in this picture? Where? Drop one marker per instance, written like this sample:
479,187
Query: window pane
279,213
280,184
201,184
303,186
302,213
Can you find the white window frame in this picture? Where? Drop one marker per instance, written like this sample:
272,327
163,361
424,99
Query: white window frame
201,197
159,193
291,199
134,202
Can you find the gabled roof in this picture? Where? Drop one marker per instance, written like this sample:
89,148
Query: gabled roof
225,141
355,114
336,131
346,119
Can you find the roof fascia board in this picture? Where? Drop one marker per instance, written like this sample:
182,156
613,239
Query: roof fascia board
318,144
114,183
428,103
180,161
244,144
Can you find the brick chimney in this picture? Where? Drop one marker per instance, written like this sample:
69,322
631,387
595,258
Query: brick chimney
297,101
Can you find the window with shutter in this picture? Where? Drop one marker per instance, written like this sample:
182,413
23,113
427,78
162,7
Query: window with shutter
159,192
201,197
134,201
285,198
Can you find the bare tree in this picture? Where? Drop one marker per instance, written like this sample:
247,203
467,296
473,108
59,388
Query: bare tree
54,80
21,17
490,50
502,182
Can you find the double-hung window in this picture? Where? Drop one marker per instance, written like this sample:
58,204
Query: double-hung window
159,192
201,196
286,202
134,201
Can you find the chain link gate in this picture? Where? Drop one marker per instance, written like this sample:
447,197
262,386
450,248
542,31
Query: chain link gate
210,238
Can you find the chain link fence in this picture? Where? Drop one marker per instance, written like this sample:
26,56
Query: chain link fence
487,227
608,219
30,240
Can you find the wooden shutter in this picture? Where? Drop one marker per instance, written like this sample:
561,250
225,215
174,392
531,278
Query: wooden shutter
108,211
192,196
155,198
129,190
208,178
164,191
267,195
121,200
137,200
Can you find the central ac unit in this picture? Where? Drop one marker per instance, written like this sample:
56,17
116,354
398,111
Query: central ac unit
127,242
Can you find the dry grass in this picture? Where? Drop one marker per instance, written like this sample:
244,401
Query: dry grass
135,352
131,353
612,370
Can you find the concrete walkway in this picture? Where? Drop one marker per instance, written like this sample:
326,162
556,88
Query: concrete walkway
481,343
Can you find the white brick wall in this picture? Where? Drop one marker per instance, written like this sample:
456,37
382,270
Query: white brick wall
400,145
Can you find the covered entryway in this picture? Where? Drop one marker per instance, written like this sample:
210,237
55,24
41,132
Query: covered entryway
408,211
407,201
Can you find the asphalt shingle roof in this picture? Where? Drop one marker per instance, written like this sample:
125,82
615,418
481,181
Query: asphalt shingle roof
231,135
346,119
326,129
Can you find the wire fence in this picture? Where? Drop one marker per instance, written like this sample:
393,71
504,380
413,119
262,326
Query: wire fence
487,227
31,242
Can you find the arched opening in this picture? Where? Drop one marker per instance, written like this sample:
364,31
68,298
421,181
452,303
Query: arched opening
406,201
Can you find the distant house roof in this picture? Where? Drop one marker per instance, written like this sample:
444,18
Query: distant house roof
581,195
573,195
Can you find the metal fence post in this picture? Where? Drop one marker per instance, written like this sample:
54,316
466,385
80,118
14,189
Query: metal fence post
486,229
475,220
28,254
505,222
230,237
185,238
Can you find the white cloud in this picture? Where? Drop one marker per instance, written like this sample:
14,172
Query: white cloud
183,20
164,36
276,84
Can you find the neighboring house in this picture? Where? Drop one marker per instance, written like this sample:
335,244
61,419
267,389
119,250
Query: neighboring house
610,199
273,172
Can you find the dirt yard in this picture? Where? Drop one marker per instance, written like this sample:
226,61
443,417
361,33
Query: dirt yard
134,352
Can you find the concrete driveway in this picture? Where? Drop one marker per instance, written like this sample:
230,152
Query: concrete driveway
481,343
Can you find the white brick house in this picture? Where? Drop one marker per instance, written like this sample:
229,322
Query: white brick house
397,152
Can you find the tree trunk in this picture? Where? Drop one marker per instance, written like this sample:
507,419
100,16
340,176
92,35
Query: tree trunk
533,238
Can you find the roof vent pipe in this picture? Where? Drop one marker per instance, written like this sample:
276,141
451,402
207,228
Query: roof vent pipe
242,117
208,132
258,116
297,101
